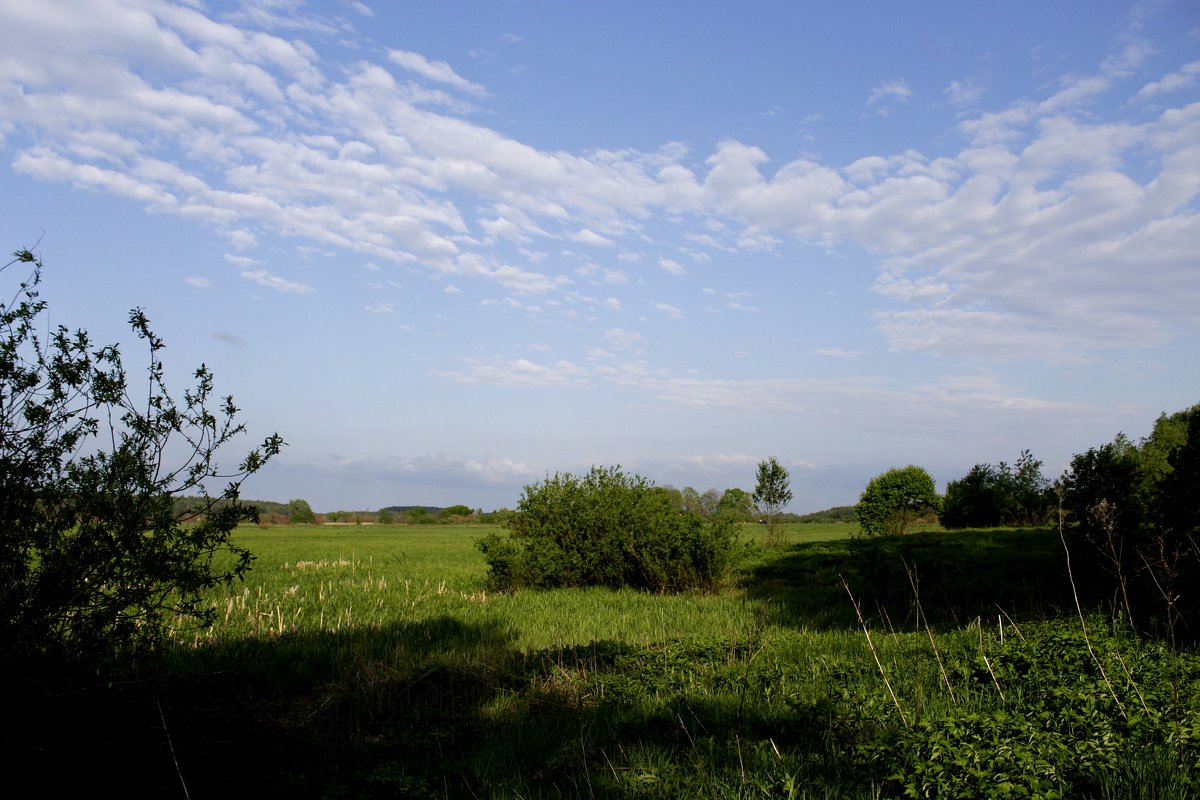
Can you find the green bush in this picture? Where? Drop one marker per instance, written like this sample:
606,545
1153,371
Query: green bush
607,529
895,500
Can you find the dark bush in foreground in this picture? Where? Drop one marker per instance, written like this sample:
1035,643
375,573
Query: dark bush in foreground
607,529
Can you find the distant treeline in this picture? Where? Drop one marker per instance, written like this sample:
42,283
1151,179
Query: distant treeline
835,514
272,512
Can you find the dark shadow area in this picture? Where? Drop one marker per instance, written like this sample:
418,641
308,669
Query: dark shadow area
958,577
296,716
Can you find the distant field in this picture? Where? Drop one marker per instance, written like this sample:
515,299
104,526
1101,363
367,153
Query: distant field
312,578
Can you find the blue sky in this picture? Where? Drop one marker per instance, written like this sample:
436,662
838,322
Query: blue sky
447,248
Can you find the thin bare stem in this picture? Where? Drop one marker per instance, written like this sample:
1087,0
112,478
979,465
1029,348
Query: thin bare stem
912,581
1079,609
874,652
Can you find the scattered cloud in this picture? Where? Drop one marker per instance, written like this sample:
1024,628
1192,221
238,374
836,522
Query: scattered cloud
519,372
963,94
380,308
890,91
199,283
264,278
438,71
1173,82
621,339
673,267
241,261
669,311
586,236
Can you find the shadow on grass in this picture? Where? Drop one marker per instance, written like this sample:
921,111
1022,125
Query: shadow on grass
434,709
960,576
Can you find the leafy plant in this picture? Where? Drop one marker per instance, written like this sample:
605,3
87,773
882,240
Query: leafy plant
607,529
771,494
94,559
896,499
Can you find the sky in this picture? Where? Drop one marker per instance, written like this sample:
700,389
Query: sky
447,249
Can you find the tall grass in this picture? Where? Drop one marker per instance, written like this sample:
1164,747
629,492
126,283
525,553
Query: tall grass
372,663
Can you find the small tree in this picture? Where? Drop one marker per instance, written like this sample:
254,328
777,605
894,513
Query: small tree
94,559
300,512
896,499
771,494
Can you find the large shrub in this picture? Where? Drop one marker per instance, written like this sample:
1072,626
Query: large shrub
607,529
95,558
895,499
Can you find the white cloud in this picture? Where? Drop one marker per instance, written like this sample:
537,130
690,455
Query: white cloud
959,93
891,91
669,311
1173,82
199,283
621,339
380,308
264,278
438,71
586,236
673,267
519,372
1056,213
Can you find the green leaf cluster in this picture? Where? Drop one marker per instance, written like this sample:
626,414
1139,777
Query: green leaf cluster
95,560
999,495
608,529
896,499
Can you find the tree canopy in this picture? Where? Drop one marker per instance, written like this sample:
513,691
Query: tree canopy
892,501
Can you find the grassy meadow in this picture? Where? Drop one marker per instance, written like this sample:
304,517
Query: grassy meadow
371,661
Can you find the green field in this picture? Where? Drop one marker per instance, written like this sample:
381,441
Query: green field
371,662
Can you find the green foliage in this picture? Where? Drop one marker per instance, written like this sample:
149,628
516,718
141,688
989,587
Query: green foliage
300,512
990,496
607,529
385,517
1137,504
94,558
771,494
457,511
833,514
737,505
896,499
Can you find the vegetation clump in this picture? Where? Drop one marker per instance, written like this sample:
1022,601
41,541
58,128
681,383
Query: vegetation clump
995,495
95,559
893,501
608,529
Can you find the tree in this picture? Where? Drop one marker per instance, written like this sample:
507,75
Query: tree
300,512
385,517
94,560
998,495
771,494
895,499
459,510
607,529
974,501
737,505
